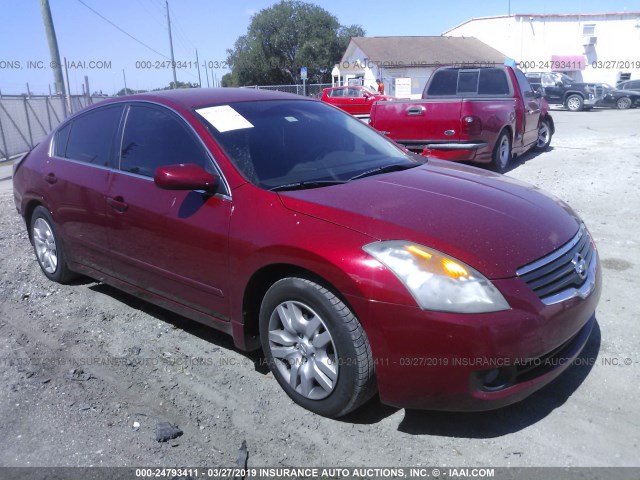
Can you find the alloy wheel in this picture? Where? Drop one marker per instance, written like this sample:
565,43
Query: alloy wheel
303,350
45,245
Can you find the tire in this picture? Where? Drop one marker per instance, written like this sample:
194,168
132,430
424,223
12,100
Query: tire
48,247
624,103
544,135
574,103
316,348
501,156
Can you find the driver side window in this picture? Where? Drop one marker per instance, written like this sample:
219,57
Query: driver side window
154,137
548,81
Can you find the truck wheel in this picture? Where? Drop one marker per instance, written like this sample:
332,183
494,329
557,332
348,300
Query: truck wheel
315,347
502,152
575,103
544,135
623,103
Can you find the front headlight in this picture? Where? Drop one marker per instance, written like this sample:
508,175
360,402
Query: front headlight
589,89
438,282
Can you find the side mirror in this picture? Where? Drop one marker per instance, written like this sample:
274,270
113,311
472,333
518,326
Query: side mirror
185,176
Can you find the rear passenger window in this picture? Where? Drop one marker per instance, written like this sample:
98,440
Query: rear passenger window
153,138
92,134
60,141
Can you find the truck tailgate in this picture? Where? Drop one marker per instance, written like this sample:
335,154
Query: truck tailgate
417,121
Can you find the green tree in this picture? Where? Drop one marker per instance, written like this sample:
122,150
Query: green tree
285,37
128,91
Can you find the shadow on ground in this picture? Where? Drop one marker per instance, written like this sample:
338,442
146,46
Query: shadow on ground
490,424
527,157
204,332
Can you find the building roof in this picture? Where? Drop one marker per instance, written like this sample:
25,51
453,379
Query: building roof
392,52
542,16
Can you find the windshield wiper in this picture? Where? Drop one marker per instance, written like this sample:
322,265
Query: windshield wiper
385,169
308,184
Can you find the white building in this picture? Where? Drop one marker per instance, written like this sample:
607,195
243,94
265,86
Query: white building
588,47
405,63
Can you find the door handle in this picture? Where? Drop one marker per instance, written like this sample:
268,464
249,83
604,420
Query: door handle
118,203
417,110
50,178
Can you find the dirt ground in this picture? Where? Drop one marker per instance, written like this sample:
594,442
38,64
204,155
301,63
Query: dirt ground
87,373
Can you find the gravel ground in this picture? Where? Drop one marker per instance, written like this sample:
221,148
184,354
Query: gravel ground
87,373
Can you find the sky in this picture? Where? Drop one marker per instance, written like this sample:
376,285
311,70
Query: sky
103,52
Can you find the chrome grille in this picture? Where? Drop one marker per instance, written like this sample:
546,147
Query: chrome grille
565,273
599,91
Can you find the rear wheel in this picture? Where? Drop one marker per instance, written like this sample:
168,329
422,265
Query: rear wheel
502,152
623,103
315,347
48,247
544,135
575,103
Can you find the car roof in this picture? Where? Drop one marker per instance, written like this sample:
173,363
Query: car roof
200,97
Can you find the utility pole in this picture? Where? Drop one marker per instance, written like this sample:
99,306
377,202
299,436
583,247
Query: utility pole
198,63
173,63
53,46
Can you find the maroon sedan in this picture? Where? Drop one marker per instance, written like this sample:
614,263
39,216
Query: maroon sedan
355,100
355,265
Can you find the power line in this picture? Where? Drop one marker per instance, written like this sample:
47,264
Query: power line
181,32
152,14
126,33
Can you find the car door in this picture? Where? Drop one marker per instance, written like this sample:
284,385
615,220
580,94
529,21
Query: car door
77,177
361,101
532,109
170,243
341,99
553,92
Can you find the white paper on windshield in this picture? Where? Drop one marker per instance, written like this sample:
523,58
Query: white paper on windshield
224,118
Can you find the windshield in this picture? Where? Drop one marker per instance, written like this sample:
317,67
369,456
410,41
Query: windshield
276,143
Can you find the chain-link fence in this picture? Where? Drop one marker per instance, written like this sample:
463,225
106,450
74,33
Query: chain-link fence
25,121
310,90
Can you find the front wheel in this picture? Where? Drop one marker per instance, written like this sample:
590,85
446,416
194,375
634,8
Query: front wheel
316,347
48,247
502,152
575,103
623,103
544,135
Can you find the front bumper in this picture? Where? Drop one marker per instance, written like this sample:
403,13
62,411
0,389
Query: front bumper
443,361
591,101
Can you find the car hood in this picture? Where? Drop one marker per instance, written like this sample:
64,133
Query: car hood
491,222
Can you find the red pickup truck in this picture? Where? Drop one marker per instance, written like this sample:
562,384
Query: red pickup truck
483,115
